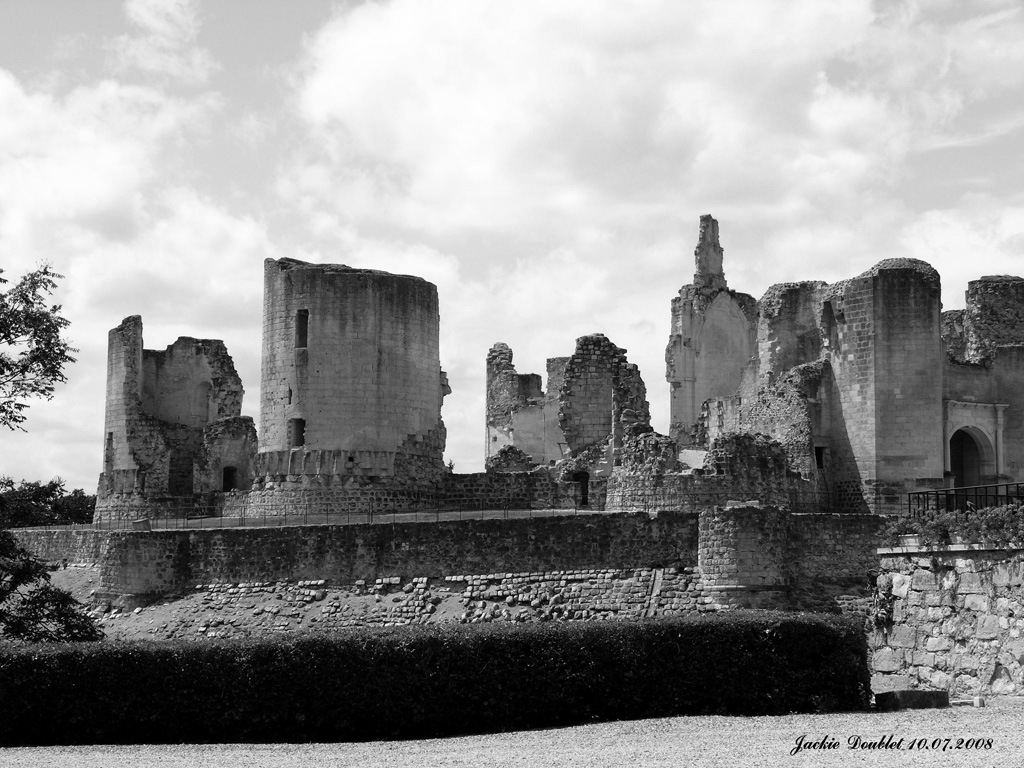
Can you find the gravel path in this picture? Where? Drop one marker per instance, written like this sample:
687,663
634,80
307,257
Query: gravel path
676,742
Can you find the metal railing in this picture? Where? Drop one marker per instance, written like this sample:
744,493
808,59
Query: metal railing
925,503
312,513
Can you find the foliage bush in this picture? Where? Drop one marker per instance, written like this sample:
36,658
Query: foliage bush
416,682
993,526
32,609
34,503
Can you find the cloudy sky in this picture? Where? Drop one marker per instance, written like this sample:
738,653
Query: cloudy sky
544,163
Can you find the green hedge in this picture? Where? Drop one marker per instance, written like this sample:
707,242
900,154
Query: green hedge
415,682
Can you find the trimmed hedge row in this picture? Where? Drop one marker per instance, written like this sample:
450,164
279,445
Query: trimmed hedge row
417,682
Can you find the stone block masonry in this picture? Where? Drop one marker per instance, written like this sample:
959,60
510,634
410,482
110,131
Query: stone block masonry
173,423
813,558
351,375
951,620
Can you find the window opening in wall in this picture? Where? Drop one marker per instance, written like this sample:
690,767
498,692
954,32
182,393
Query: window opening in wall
289,395
829,328
301,328
297,427
583,479
230,479
819,456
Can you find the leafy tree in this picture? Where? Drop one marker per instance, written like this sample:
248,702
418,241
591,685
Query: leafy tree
31,608
32,351
33,503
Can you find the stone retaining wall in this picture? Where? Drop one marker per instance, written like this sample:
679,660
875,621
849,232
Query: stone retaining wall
693,492
83,546
817,562
950,619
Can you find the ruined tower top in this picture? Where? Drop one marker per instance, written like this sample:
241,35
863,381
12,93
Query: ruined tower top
708,253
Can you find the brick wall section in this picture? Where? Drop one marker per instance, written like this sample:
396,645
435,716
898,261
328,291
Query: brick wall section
956,621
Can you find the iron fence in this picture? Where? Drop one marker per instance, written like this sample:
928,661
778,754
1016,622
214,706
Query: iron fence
924,504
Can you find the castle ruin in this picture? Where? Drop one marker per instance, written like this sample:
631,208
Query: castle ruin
837,398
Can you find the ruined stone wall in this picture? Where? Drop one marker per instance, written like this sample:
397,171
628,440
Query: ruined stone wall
514,406
160,562
599,385
712,336
227,443
951,620
350,366
790,411
519,413
692,492
193,383
611,566
737,467
172,417
134,452
789,327
994,316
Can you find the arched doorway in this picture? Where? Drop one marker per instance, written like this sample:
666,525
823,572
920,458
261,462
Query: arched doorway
965,459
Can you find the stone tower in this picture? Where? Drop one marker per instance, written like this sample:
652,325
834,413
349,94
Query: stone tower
351,378
712,338
173,429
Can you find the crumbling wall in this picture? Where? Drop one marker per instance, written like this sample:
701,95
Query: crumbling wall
509,459
519,412
789,409
599,386
712,336
994,316
789,327
171,416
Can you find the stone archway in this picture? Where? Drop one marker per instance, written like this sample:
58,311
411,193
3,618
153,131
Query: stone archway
971,457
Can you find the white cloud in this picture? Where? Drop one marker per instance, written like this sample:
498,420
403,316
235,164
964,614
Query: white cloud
543,163
981,236
165,42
